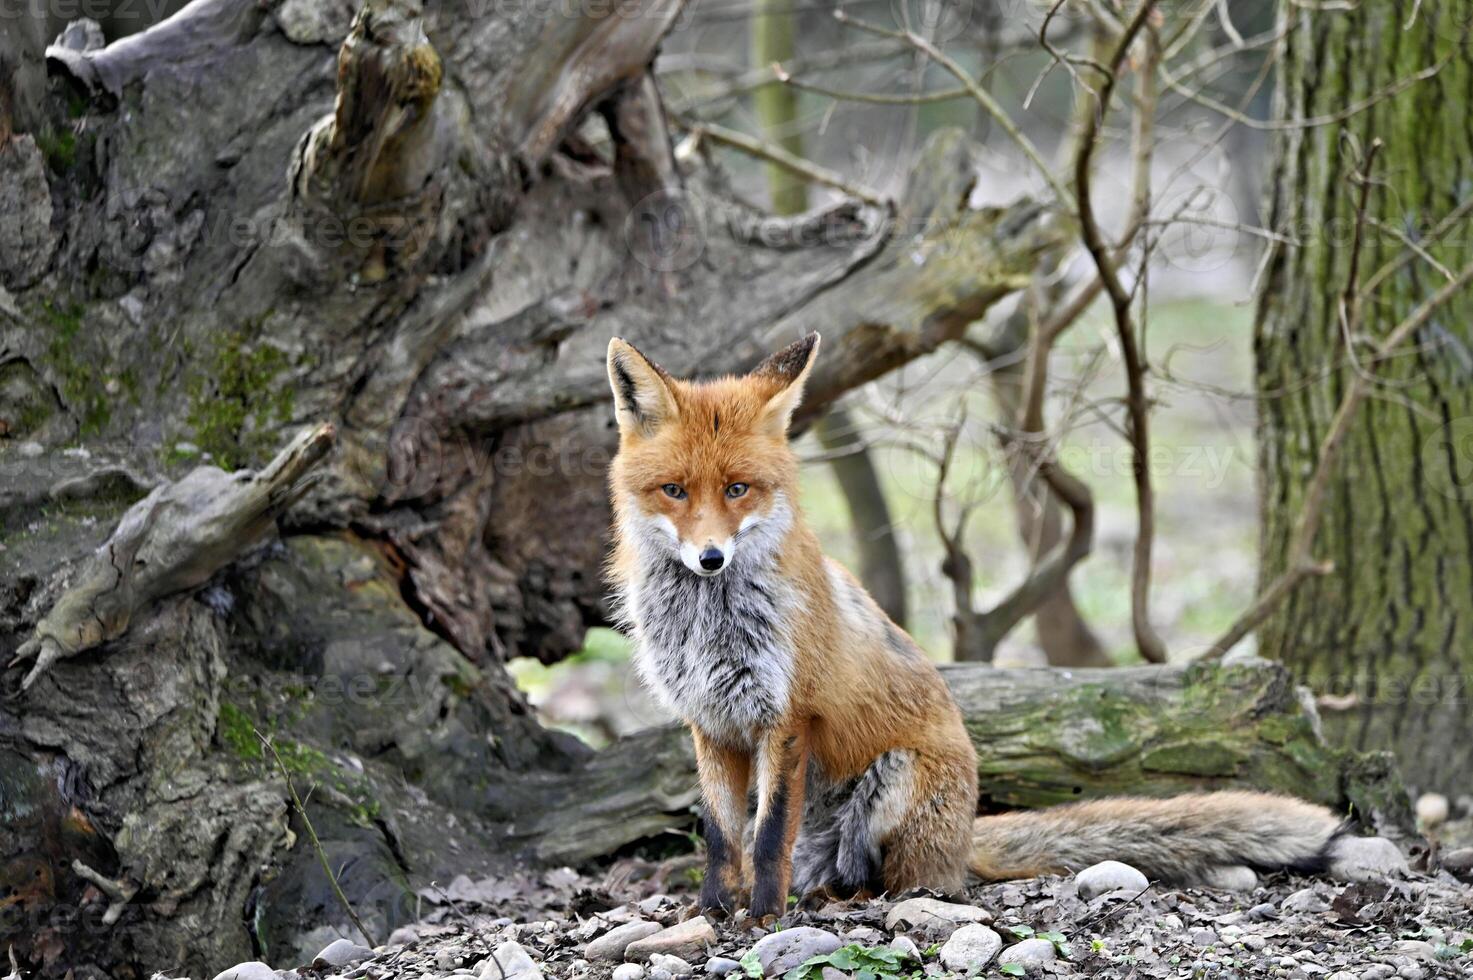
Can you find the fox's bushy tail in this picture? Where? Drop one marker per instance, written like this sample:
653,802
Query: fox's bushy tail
1183,839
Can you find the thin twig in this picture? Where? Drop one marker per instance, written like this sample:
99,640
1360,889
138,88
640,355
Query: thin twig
982,97
316,844
1138,408
773,153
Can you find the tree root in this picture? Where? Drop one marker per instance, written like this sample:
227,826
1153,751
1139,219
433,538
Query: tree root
171,541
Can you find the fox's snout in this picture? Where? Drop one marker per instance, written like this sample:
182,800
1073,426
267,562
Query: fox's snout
706,559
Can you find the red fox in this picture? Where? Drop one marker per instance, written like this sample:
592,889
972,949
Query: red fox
794,683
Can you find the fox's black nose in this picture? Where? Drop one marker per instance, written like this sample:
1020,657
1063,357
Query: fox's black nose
712,559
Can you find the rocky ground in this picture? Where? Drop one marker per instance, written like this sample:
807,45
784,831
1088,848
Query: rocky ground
1106,921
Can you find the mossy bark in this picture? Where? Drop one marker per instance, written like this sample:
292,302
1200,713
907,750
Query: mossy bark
1390,632
1044,737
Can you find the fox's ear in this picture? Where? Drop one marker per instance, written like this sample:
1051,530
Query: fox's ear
643,398
788,369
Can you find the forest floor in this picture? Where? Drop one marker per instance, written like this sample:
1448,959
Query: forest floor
561,925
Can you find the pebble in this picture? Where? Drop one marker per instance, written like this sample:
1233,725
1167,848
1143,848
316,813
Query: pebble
970,948
864,935
1254,942
1231,878
628,971
254,970
660,974
343,952
651,905
1108,876
930,913
674,965
906,947
688,938
1028,954
1366,859
1459,862
783,951
1263,912
720,966
1379,971
612,944
1432,810
1342,975
1417,949
1203,937
510,961
1410,972
1305,900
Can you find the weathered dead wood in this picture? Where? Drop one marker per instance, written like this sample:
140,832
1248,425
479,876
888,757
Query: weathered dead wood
173,540
1043,736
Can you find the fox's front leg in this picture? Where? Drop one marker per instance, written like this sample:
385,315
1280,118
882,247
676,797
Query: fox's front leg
782,768
725,774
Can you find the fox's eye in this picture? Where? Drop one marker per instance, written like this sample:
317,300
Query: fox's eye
674,490
736,490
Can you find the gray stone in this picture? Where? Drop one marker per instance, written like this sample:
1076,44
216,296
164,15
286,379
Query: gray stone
1459,862
1231,878
658,974
1305,900
1029,954
906,947
782,951
344,952
1366,859
511,962
1254,942
611,945
254,970
1378,971
1203,936
864,935
1342,975
1417,949
1108,876
676,966
628,971
685,939
1263,912
929,913
970,948
720,966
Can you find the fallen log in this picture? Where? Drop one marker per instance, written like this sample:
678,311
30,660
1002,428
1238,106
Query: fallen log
1043,736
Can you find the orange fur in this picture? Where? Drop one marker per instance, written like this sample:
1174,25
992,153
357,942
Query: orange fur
859,688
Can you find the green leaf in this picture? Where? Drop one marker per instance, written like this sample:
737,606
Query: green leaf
751,965
1022,932
1012,969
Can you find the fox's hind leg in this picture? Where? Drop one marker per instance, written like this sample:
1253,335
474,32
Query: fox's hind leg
930,842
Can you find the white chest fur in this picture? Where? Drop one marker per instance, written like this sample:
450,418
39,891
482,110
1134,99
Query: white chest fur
716,649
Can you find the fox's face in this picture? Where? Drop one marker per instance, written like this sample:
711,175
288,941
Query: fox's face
703,468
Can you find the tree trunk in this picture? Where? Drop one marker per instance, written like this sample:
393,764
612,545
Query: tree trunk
1390,632
412,247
